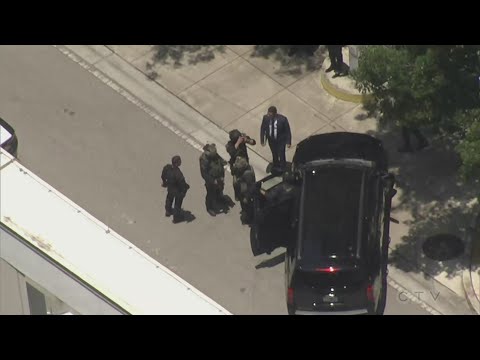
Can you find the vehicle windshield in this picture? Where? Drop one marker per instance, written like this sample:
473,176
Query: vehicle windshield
331,213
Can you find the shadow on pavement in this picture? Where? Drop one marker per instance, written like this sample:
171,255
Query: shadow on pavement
436,197
188,216
180,55
271,262
436,220
306,58
226,205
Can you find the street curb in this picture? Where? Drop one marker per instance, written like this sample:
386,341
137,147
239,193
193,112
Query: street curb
449,303
467,281
338,92
207,133
392,281
472,299
211,131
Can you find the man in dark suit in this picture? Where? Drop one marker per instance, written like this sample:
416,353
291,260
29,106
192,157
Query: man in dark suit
336,59
276,129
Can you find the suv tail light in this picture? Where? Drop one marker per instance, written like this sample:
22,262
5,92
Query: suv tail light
290,294
330,269
370,293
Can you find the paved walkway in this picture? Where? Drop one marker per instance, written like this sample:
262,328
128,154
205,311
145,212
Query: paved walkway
232,86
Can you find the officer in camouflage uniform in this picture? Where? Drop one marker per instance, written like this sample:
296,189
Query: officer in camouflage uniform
237,147
213,172
245,183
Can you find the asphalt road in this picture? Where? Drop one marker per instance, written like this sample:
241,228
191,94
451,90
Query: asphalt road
106,155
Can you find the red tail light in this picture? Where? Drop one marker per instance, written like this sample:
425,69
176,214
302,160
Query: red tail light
330,269
290,294
370,293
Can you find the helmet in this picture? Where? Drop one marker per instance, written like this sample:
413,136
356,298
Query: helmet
210,150
235,135
176,160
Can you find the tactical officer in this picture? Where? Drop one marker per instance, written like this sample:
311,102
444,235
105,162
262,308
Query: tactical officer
177,188
237,147
245,183
213,172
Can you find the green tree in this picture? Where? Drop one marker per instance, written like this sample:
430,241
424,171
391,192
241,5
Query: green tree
468,146
427,85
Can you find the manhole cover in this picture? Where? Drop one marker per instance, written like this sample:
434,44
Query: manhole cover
443,247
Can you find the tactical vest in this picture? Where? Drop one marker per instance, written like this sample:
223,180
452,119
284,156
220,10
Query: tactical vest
215,168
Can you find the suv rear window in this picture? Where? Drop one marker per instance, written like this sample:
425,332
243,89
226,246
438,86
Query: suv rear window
338,278
331,203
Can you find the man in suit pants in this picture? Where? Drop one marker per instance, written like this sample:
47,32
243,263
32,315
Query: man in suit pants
276,129
336,59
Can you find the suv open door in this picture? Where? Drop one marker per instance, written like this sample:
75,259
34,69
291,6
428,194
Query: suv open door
274,222
379,280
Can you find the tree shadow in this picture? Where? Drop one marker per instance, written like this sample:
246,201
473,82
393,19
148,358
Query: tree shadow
409,254
307,58
180,55
438,200
361,117
427,175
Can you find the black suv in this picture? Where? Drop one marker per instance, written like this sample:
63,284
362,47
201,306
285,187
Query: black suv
8,139
331,211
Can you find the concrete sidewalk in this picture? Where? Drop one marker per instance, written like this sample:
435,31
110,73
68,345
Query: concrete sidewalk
231,86
471,276
432,200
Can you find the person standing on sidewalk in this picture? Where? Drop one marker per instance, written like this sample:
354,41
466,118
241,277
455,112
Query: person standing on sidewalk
177,188
336,59
276,129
